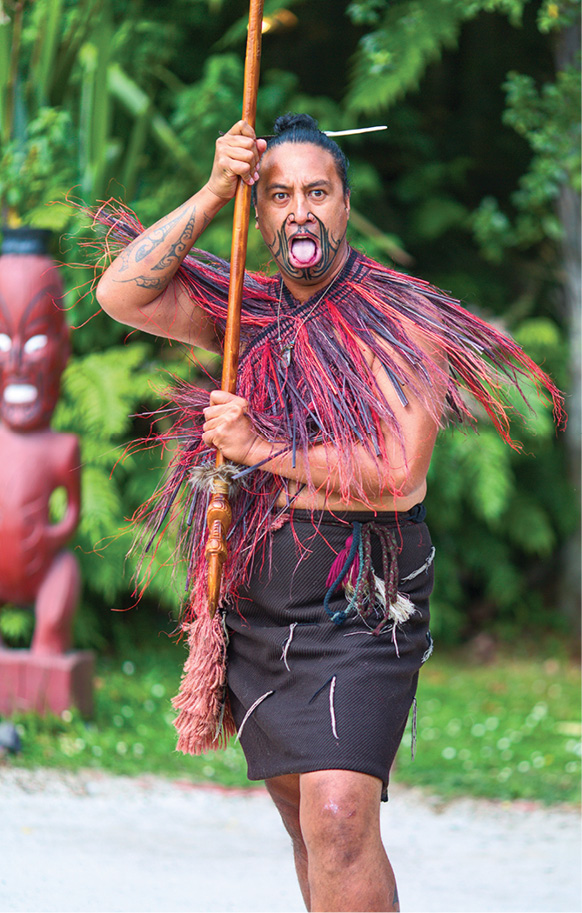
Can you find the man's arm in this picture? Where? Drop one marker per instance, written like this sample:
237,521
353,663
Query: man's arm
139,288
399,474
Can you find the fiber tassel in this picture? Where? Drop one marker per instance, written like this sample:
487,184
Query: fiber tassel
201,699
338,563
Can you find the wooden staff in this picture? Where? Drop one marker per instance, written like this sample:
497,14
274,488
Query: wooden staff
219,514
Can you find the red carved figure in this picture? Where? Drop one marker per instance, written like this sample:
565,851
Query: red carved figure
35,567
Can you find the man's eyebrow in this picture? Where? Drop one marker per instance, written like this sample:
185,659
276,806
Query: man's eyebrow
312,184
277,186
322,182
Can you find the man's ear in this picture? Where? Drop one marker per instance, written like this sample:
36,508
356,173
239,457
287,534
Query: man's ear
347,202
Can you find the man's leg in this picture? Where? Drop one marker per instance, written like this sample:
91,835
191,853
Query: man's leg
284,792
340,826
333,819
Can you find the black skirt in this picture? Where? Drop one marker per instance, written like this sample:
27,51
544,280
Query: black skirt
308,694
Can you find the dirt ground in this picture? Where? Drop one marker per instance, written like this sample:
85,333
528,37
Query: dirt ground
91,842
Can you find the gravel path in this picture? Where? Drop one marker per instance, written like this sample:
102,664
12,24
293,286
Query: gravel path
91,842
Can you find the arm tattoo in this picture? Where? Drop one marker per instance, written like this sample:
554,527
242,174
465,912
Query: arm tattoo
395,900
146,282
179,247
140,248
154,239
123,260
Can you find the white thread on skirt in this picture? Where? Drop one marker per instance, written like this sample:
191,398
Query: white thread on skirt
424,567
332,709
287,644
249,711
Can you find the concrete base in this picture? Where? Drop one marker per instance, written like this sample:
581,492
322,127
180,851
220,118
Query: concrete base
46,684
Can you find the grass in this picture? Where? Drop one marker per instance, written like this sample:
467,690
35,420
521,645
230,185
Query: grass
509,730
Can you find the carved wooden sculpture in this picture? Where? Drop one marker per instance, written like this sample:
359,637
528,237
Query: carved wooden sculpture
35,567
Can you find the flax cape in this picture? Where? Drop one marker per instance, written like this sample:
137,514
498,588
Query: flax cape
425,341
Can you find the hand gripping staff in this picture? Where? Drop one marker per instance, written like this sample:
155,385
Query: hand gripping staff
219,514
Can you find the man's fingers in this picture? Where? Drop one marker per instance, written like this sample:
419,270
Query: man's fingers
241,128
218,397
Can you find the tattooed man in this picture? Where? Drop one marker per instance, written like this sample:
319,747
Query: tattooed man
347,370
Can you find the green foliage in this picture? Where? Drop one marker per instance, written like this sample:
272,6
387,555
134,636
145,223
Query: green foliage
393,57
61,94
408,35
496,516
16,625
549,120
43,161
100,393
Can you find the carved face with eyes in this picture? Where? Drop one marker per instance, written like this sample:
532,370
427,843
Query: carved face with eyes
302,213
34,341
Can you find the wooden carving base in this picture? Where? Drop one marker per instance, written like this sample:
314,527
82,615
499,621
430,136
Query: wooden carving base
46,684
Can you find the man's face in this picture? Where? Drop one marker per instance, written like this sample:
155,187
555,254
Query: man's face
302,213
34,344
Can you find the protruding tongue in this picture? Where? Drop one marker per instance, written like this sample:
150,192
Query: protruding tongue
303,250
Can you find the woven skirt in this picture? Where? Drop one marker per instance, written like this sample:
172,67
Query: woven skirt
309,694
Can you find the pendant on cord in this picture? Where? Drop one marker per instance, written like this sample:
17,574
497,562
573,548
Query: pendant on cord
286,354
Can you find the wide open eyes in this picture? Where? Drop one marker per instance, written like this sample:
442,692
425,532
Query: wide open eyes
35,343
5,343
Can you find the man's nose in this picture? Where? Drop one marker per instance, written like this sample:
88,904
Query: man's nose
301,213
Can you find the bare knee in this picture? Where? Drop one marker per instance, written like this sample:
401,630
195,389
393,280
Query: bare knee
340,816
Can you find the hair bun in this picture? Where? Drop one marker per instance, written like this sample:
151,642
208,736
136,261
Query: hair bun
295,122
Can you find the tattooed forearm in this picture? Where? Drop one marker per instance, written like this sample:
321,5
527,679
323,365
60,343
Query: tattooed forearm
154,282
169,259
144,247
123,261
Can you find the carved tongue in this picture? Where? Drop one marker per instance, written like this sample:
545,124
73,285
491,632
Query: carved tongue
303,250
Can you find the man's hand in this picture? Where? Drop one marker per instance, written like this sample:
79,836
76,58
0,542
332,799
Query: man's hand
237,155
227,427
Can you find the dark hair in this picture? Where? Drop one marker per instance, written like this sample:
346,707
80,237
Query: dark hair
302,128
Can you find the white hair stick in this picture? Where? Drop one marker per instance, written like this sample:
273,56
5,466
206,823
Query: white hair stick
356,130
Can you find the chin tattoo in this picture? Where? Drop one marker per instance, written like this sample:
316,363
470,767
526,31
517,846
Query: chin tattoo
330,246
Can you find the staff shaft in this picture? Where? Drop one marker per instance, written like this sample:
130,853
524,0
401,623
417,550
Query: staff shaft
219,513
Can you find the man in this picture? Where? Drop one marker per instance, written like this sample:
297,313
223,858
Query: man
344,378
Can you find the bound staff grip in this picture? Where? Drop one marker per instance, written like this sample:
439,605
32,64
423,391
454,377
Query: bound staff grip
218,519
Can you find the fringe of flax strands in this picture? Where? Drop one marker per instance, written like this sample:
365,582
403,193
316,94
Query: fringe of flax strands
204,721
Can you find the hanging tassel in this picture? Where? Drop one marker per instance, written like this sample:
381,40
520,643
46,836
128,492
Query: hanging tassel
204,721
343,557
